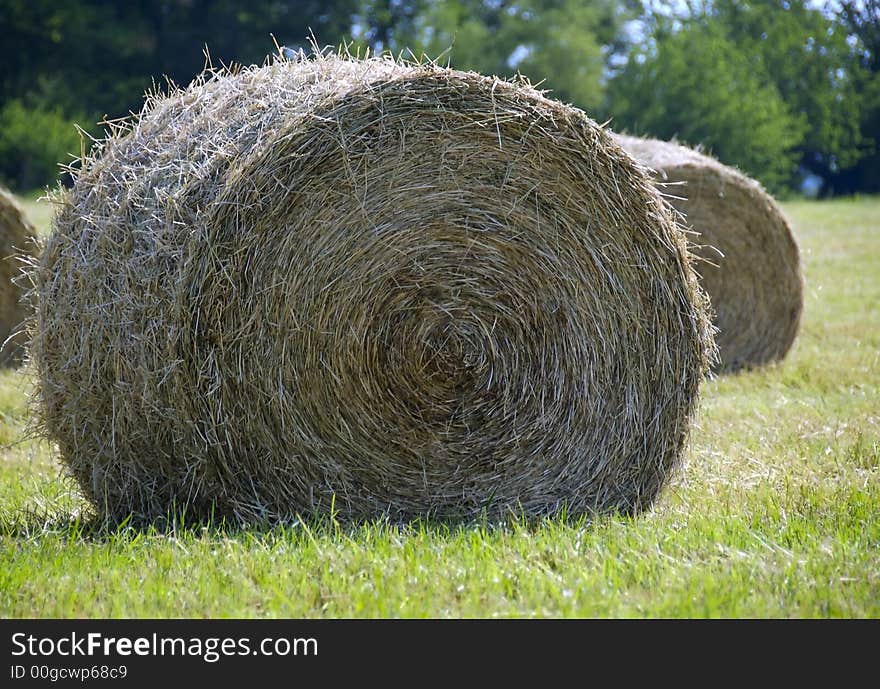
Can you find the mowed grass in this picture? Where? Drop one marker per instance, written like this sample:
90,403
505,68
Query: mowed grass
776,513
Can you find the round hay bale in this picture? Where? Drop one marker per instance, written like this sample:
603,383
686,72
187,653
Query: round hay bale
367,287
751,262
18,240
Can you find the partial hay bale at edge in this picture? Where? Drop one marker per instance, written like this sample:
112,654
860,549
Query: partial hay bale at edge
367,285
17,240
751,268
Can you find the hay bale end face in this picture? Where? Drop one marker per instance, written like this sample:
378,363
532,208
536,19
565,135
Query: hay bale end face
370,285
18,241
751,261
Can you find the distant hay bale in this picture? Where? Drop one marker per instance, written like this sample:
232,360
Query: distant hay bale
366,287
17,239
752,269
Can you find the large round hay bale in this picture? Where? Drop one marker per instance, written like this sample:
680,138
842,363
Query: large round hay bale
17,241
387,289
751,262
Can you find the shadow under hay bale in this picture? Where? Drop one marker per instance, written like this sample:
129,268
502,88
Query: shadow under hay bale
17,240
751,270
370,286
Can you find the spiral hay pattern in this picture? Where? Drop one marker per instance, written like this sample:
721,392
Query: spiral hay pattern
751,261
389,289
18,242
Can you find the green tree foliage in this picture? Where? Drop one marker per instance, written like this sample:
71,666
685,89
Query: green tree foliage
768,52
765,84
807,56
98,57
862,22
695,86
34,142
387,24
563,44
104,54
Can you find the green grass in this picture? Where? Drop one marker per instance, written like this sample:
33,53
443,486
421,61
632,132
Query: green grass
39,209
776,513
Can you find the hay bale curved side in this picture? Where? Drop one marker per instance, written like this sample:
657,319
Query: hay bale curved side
18,241
369,285
751,268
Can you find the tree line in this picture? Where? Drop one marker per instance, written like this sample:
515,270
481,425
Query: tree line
780,88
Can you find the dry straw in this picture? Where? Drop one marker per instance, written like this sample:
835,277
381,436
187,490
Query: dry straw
751,262
17,242
389,289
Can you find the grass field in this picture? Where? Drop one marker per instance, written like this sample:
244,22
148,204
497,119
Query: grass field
776,513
